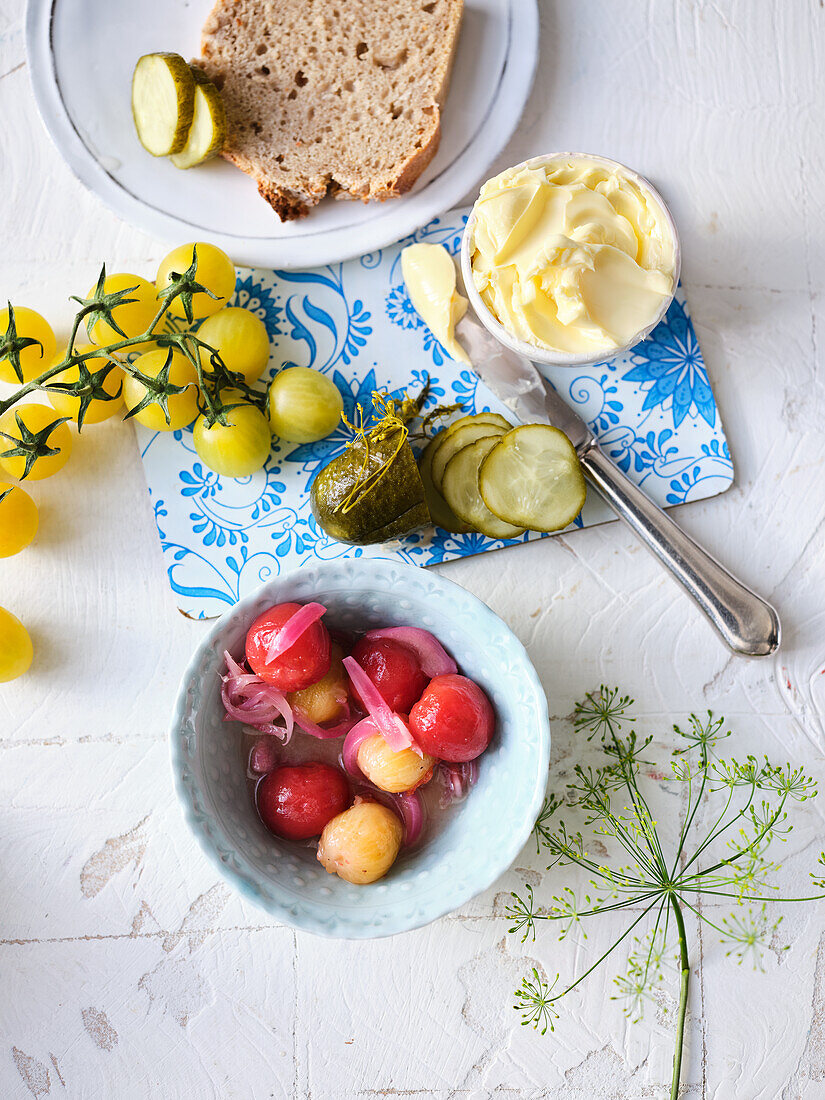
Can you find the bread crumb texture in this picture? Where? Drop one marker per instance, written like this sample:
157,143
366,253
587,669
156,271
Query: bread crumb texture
340,97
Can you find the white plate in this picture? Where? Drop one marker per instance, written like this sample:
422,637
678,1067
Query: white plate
81,56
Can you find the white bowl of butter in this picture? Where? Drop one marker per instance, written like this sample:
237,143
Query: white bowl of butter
570,258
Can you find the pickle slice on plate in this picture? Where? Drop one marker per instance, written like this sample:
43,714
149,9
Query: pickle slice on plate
163,102
532,477
441,513
460,490
199,75
208,130
456,439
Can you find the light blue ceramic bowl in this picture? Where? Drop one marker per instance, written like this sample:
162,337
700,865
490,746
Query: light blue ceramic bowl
480,838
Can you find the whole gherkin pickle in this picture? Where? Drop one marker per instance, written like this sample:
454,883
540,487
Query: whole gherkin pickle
373,491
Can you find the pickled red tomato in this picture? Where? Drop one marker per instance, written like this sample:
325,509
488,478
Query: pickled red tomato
303,664
394,669
295,801
453,720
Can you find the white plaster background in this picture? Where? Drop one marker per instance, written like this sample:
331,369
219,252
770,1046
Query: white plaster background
126,968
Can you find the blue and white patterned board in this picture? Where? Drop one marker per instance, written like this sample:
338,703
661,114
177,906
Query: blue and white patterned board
653,410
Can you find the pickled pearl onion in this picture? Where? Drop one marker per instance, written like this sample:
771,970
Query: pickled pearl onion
392,727
359,733
293,628
433,658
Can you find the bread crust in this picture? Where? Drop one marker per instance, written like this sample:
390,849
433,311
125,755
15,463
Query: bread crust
417,163
381,106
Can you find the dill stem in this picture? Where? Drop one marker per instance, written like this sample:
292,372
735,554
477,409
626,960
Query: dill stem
683,997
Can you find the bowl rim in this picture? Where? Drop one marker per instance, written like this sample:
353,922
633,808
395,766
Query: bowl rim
546,355
346,927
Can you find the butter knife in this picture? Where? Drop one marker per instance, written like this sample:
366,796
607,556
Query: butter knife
744,621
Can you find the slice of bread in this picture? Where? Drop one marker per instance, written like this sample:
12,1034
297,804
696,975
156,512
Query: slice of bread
331,96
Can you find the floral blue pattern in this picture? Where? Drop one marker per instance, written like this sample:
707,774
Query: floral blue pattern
262,301
400,309
653,410
672,371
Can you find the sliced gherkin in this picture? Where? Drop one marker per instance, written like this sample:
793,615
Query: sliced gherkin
163,102
477,418
460,489
533,477
440,440
441,513
461,437
207,133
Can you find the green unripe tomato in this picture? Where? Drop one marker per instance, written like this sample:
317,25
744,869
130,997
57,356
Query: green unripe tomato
304,405
237,448
241,340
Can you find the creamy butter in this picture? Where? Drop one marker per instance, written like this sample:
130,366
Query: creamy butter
572,255
429,273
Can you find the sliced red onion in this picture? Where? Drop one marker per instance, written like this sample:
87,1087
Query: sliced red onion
359,733
412,813
236,670
408,805
293,628
325,733
256,711
263,756
391,726
433,658
457,780
248,699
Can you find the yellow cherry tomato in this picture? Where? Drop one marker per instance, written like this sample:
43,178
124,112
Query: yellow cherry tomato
35,358
18,519
239,447
241,340
304,405
98,410
16,649
182,407
35,418
215,271
133,318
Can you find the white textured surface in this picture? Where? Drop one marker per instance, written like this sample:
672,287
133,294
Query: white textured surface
127,969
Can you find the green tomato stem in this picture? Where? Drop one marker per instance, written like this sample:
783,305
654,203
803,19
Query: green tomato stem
73,335
683,997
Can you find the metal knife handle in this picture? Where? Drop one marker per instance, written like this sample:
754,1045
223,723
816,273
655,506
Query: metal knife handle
745,622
